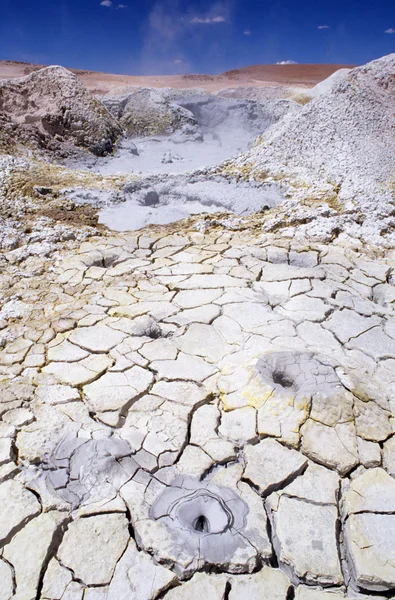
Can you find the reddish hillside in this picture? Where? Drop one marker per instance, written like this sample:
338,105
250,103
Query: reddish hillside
257,75
285,74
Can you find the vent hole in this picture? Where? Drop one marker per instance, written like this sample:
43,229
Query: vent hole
201,524
281,378
151,198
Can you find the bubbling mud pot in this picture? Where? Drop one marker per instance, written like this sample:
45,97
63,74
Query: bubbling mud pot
182,197
217,129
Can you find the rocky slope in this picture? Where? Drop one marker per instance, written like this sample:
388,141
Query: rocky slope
191,113
343,141
52,106
147,111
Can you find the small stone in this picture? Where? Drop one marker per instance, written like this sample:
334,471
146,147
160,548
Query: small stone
201,314
249,315
346,324
184,367
80,373
317,484
63,325
203,340
57,394
65,352
197,298
18,417
304,308
372,423
194,462
185,393
157,310
374,343
161,349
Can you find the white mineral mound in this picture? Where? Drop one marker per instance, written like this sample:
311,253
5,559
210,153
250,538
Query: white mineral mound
329,83
344,137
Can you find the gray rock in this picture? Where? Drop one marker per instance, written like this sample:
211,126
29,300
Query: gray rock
326,141
148,112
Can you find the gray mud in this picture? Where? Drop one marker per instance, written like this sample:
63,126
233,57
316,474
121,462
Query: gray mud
217,129
161,154
177,199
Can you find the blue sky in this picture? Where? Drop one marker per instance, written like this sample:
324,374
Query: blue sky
174,36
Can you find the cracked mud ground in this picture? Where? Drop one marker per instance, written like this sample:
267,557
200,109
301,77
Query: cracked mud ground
198,415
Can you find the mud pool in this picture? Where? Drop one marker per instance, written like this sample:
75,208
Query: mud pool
212,131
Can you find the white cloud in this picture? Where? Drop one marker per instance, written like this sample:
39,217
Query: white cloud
122,6
323,27
390,30
208,20
178,61
286,62
247,32
106,3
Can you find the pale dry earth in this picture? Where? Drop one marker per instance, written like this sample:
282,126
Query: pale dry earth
246,375
205,407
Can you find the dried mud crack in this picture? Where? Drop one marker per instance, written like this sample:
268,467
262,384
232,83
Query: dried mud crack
201,407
